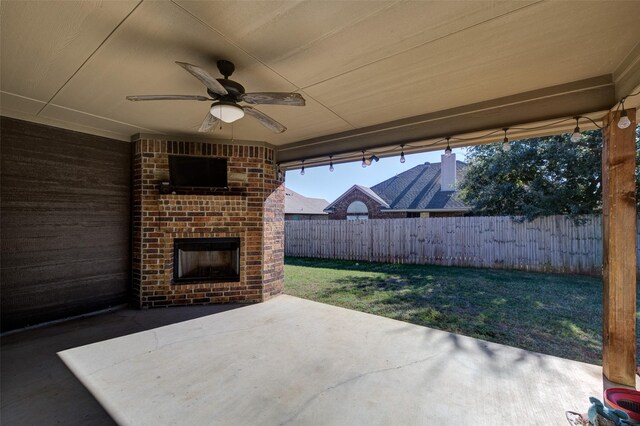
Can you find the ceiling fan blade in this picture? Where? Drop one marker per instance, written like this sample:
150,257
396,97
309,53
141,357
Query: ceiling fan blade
274,98
168,98
206,78
265,120
209,123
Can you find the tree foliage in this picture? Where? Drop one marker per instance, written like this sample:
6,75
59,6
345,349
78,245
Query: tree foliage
537,177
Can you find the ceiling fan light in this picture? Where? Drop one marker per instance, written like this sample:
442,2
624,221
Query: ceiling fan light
227,112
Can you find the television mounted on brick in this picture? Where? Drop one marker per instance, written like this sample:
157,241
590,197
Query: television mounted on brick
190,171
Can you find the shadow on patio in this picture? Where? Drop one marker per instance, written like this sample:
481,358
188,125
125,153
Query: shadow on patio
38,389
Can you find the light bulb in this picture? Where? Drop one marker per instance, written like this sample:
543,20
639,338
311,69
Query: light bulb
330,164
302,171
624,121
364,165
506,147
364,162
505,142
576,136
367,161
447,150
402,160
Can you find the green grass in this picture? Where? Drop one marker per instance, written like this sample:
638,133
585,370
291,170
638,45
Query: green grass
553,314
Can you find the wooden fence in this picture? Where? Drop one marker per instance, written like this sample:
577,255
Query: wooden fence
552,243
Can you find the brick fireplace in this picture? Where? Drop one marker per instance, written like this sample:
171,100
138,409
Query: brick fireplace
239,230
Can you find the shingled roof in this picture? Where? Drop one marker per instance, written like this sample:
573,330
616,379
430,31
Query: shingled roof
366,190
419,189
295,203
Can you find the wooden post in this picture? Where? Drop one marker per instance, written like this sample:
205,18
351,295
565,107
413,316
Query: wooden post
619,250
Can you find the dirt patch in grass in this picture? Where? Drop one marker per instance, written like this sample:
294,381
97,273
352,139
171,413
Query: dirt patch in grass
553,314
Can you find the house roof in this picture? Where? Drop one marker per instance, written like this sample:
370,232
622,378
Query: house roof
366,190
419,189
295,203
416,189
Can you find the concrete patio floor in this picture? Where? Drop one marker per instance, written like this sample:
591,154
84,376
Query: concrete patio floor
286,361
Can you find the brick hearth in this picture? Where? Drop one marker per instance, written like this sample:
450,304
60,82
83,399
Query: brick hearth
252,210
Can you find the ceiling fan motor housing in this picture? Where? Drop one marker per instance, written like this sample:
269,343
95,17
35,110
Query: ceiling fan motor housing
233,88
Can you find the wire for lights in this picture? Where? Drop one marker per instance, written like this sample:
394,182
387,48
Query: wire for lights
491,133
594,123
624,122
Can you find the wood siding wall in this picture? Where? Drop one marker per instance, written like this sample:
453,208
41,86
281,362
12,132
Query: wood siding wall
65,206
551,244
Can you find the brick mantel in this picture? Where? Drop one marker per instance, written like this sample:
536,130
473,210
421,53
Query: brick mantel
252,210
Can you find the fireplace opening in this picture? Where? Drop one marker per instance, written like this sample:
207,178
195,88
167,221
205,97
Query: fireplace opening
206,259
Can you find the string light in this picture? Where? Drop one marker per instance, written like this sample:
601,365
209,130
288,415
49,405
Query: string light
447,150
576,136
624,121
506,147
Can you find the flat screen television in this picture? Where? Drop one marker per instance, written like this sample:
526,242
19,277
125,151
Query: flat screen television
207,172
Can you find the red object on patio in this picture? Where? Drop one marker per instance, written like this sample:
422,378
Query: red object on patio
626,400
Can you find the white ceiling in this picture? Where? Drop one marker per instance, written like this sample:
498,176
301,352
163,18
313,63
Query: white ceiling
357,63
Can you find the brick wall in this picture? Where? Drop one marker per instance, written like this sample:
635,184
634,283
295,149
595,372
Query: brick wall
375,209
273,241
252,210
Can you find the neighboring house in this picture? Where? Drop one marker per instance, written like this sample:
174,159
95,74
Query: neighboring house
299,207
427,190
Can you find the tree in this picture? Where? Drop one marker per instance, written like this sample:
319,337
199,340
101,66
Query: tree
537,177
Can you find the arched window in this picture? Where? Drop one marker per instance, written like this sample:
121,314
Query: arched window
357,211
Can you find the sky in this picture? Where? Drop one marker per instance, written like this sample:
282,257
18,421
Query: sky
319,182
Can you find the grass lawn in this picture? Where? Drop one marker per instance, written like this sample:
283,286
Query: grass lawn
553,314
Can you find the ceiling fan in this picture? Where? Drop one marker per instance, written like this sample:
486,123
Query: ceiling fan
226,94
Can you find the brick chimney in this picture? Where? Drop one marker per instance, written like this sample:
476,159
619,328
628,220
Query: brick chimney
448,173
